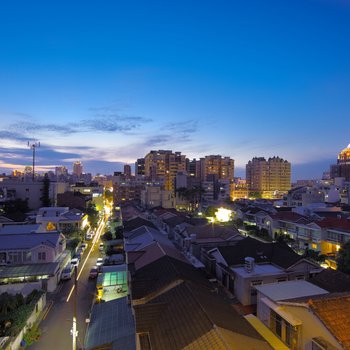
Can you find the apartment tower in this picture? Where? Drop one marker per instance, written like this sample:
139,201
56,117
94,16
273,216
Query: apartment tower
268,177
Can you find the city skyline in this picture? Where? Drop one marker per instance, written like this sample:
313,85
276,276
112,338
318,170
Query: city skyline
106,84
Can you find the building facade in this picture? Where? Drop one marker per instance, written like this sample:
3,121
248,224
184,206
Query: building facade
268,177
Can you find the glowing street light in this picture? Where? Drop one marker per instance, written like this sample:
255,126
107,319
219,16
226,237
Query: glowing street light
223,215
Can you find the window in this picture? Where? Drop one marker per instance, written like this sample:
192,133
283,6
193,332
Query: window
281,279
252,284
27,256
284,330
42,256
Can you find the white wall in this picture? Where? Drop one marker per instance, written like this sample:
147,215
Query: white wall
311,328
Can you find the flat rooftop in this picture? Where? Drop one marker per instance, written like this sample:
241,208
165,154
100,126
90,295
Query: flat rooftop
259,269
290,290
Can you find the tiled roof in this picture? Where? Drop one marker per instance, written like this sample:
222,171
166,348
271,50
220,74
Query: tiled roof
4,219
278,253
334,313
131,224
191,316
28,241
20,229
332,280
335,223
152,253
290,216
174,220
157,275
212,231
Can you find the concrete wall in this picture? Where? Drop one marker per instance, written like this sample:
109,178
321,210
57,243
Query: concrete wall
312,327
16,342
50,254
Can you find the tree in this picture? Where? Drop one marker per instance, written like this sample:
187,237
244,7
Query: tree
15,209
238,223
93,214
210,211
45,199
343,258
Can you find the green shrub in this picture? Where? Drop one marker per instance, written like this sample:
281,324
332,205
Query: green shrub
32,335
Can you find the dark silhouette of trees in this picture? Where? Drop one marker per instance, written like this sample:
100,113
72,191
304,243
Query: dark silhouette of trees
343,258
45,199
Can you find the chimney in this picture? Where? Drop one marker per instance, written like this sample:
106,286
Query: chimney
249,264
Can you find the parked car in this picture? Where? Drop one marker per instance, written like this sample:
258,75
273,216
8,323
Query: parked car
99,262
80,251
100,247
93,272
67,272
75,262
77,255
88,236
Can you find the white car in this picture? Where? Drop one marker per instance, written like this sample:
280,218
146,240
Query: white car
83,246
99,262
67,272
100,247
75,262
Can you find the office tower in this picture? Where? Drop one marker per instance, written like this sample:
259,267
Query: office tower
77,169
164,165
266,177
342,168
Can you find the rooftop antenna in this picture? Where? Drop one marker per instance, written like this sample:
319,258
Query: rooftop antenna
33,146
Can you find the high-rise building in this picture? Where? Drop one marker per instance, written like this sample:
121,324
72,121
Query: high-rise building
223,167
77,169
164,165
342,168
61,171
140,167
268,176
127,170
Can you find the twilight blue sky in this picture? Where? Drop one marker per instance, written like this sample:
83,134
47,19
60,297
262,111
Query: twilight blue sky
104,82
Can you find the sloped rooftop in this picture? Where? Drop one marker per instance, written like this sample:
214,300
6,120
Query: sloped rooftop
332,280
29,240
137,222
334,313
277,253
111,323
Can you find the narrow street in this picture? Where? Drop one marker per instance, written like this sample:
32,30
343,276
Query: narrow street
57,323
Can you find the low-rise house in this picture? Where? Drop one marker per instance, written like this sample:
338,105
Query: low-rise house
249,263
142,237
175,308
61,218
325,235
334,281
175,223
137,222
305,316
158,216
31,260
193,238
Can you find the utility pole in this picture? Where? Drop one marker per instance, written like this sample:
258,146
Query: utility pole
74,331
33,147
